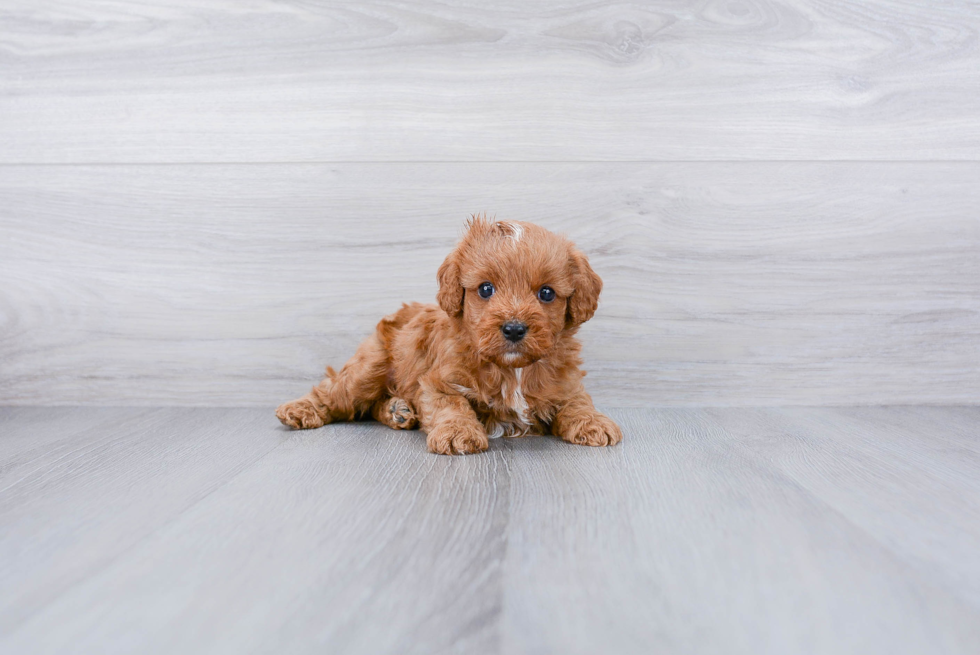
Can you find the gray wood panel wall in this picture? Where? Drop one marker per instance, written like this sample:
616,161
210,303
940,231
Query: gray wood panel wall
205,203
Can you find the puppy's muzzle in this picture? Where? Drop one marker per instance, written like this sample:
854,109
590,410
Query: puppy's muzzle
514,331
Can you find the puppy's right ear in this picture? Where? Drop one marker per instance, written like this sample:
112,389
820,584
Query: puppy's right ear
588,286
450,296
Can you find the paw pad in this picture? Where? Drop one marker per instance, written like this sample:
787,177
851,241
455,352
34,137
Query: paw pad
401,414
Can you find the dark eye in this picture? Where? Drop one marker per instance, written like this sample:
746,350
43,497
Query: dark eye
546,294
485,290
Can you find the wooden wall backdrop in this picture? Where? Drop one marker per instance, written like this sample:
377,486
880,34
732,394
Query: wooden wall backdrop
203,203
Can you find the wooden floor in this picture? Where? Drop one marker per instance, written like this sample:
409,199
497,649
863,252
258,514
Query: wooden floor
792,530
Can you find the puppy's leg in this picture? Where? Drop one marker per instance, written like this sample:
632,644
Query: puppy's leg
578,422
342,396
451,425
396,413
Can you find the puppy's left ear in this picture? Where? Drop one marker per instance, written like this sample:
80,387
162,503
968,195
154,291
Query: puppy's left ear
450,295
585,299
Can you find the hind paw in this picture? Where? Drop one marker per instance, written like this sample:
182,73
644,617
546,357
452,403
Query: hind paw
398,414
300,414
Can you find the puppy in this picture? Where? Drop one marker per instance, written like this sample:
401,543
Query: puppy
497,357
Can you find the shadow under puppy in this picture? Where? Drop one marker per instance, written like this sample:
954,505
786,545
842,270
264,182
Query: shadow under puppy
497,357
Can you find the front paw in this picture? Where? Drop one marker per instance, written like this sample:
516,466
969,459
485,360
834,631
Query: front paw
457,439
593,429
300,414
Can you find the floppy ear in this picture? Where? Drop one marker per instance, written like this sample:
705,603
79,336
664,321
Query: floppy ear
584,300
450,295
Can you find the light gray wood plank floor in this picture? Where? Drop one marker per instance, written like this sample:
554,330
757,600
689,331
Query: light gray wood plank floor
789,530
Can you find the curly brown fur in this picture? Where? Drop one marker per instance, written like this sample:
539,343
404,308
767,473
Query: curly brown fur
450,370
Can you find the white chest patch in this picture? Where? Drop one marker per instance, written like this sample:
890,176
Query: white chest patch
515,398
466,391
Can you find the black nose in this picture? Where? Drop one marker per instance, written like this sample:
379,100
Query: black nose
514,330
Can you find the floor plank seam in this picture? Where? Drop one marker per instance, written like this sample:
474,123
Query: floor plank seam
869,537
95,572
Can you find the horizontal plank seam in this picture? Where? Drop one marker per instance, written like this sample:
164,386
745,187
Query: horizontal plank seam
601,406
488,161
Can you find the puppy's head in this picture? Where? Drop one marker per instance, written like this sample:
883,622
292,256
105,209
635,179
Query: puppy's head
515,288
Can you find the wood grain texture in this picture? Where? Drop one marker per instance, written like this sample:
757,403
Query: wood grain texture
264,81
791,530
918,485
294,552
691,540
112,477
725,283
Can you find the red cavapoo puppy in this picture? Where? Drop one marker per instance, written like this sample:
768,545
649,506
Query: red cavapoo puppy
497,357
